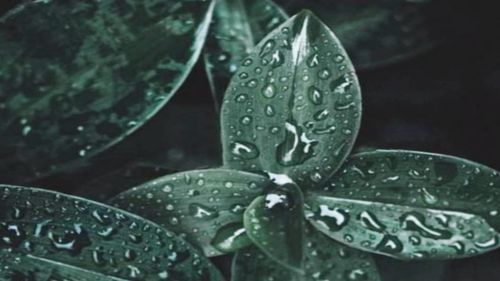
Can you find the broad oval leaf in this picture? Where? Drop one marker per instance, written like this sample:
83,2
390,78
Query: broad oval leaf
294,106
205,206
411,205
46,235
78,77
274,223
238,25
325,259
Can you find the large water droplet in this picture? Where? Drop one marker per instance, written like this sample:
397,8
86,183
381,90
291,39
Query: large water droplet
315,95
296,148
244,150
269,91
230,237
390,244
414,221
200,211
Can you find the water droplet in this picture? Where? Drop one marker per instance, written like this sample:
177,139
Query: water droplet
269,110
200,211
247,62
341,85
252,83
267,48
321,115
315,95
296,148
390,244
324,74
371,222
269,91
230,237
325,131
338,58
246,120
356,275
241,98
278,59
333,219
244,150
414,221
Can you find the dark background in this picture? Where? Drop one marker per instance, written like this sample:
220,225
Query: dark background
445,100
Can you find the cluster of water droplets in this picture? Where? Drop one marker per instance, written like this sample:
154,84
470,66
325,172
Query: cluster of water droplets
206,207
411,206
64,233
295,99
324,259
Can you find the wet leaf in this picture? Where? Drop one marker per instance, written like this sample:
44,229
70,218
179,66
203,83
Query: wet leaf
237,27
297,90
205,206
410,205
376,33
274,222
51,236
78,77
325,260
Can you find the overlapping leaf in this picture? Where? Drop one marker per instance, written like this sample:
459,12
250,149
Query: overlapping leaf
411,205
78,77
325,259
294,106
274,222
206,206
50,236
237,27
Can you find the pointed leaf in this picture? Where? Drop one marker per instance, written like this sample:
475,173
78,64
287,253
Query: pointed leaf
411,205
237,27
297,90
274,222
325,260
51,236
78,77
206,206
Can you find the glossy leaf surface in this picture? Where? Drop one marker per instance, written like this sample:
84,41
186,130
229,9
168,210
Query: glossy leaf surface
78,77
411,205
274,223
294,106
50,236
325,259
238,25
205,206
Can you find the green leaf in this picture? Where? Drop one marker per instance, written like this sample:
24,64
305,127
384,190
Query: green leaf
298,90
46,235
205,206
410,205
274,223
325,260
78,77
237,27
377,33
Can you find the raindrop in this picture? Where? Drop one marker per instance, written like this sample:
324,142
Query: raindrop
296,148
200,211
341,85
269,91
315,95
244,150
230,237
